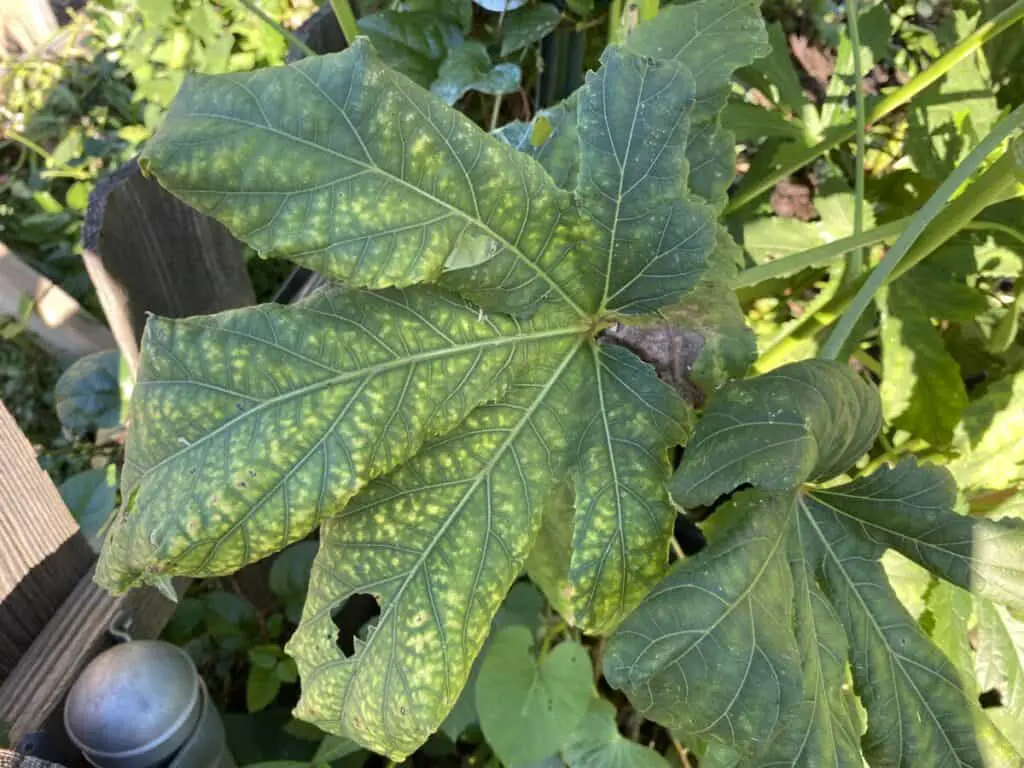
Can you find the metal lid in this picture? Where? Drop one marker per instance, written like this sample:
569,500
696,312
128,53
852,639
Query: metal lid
134,705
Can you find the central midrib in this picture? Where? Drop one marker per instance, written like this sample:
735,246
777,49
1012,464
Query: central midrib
370,371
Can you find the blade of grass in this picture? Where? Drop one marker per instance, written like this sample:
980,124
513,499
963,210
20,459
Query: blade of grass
855,261
999,176
820,256
890,103
287,34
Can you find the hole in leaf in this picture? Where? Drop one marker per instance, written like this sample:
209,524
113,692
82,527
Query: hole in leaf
354,618
990,698
691,539
700,514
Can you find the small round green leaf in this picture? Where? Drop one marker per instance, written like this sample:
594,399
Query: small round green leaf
87,394
528,709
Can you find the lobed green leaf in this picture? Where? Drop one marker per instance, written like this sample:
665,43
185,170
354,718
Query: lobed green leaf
383,185
252,426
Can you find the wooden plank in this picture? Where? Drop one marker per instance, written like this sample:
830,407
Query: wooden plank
146,251
78,631
60,323
44,555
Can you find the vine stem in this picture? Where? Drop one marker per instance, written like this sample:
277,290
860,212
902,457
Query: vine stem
286,33
346,20
993,183
893,101
855,261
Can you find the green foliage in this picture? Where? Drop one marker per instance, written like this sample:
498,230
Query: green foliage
455,411
88,393
442,428
528,707
790,588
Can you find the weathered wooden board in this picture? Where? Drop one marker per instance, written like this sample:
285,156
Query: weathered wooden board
44,555
146,251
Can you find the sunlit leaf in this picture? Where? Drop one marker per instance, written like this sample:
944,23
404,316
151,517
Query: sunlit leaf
989,438
922,390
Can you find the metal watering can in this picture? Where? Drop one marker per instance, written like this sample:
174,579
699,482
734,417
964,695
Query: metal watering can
142,704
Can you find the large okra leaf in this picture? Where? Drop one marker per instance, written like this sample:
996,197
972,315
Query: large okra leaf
746,644
428,428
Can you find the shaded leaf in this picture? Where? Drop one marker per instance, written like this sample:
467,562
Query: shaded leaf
412,42
751,123
656,239
87,395
525,26
703,36
779,75
552,139
91,496
528,709
597,743
261,688
745,644
469,68
804,421
727,666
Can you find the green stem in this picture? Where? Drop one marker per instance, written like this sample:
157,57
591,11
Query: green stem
346,20
891,102
287,34
495,112
68,171
995,226
855,261
916,243
820,256
616,29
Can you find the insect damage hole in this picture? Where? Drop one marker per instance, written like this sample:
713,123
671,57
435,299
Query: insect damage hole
355,618
990,698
